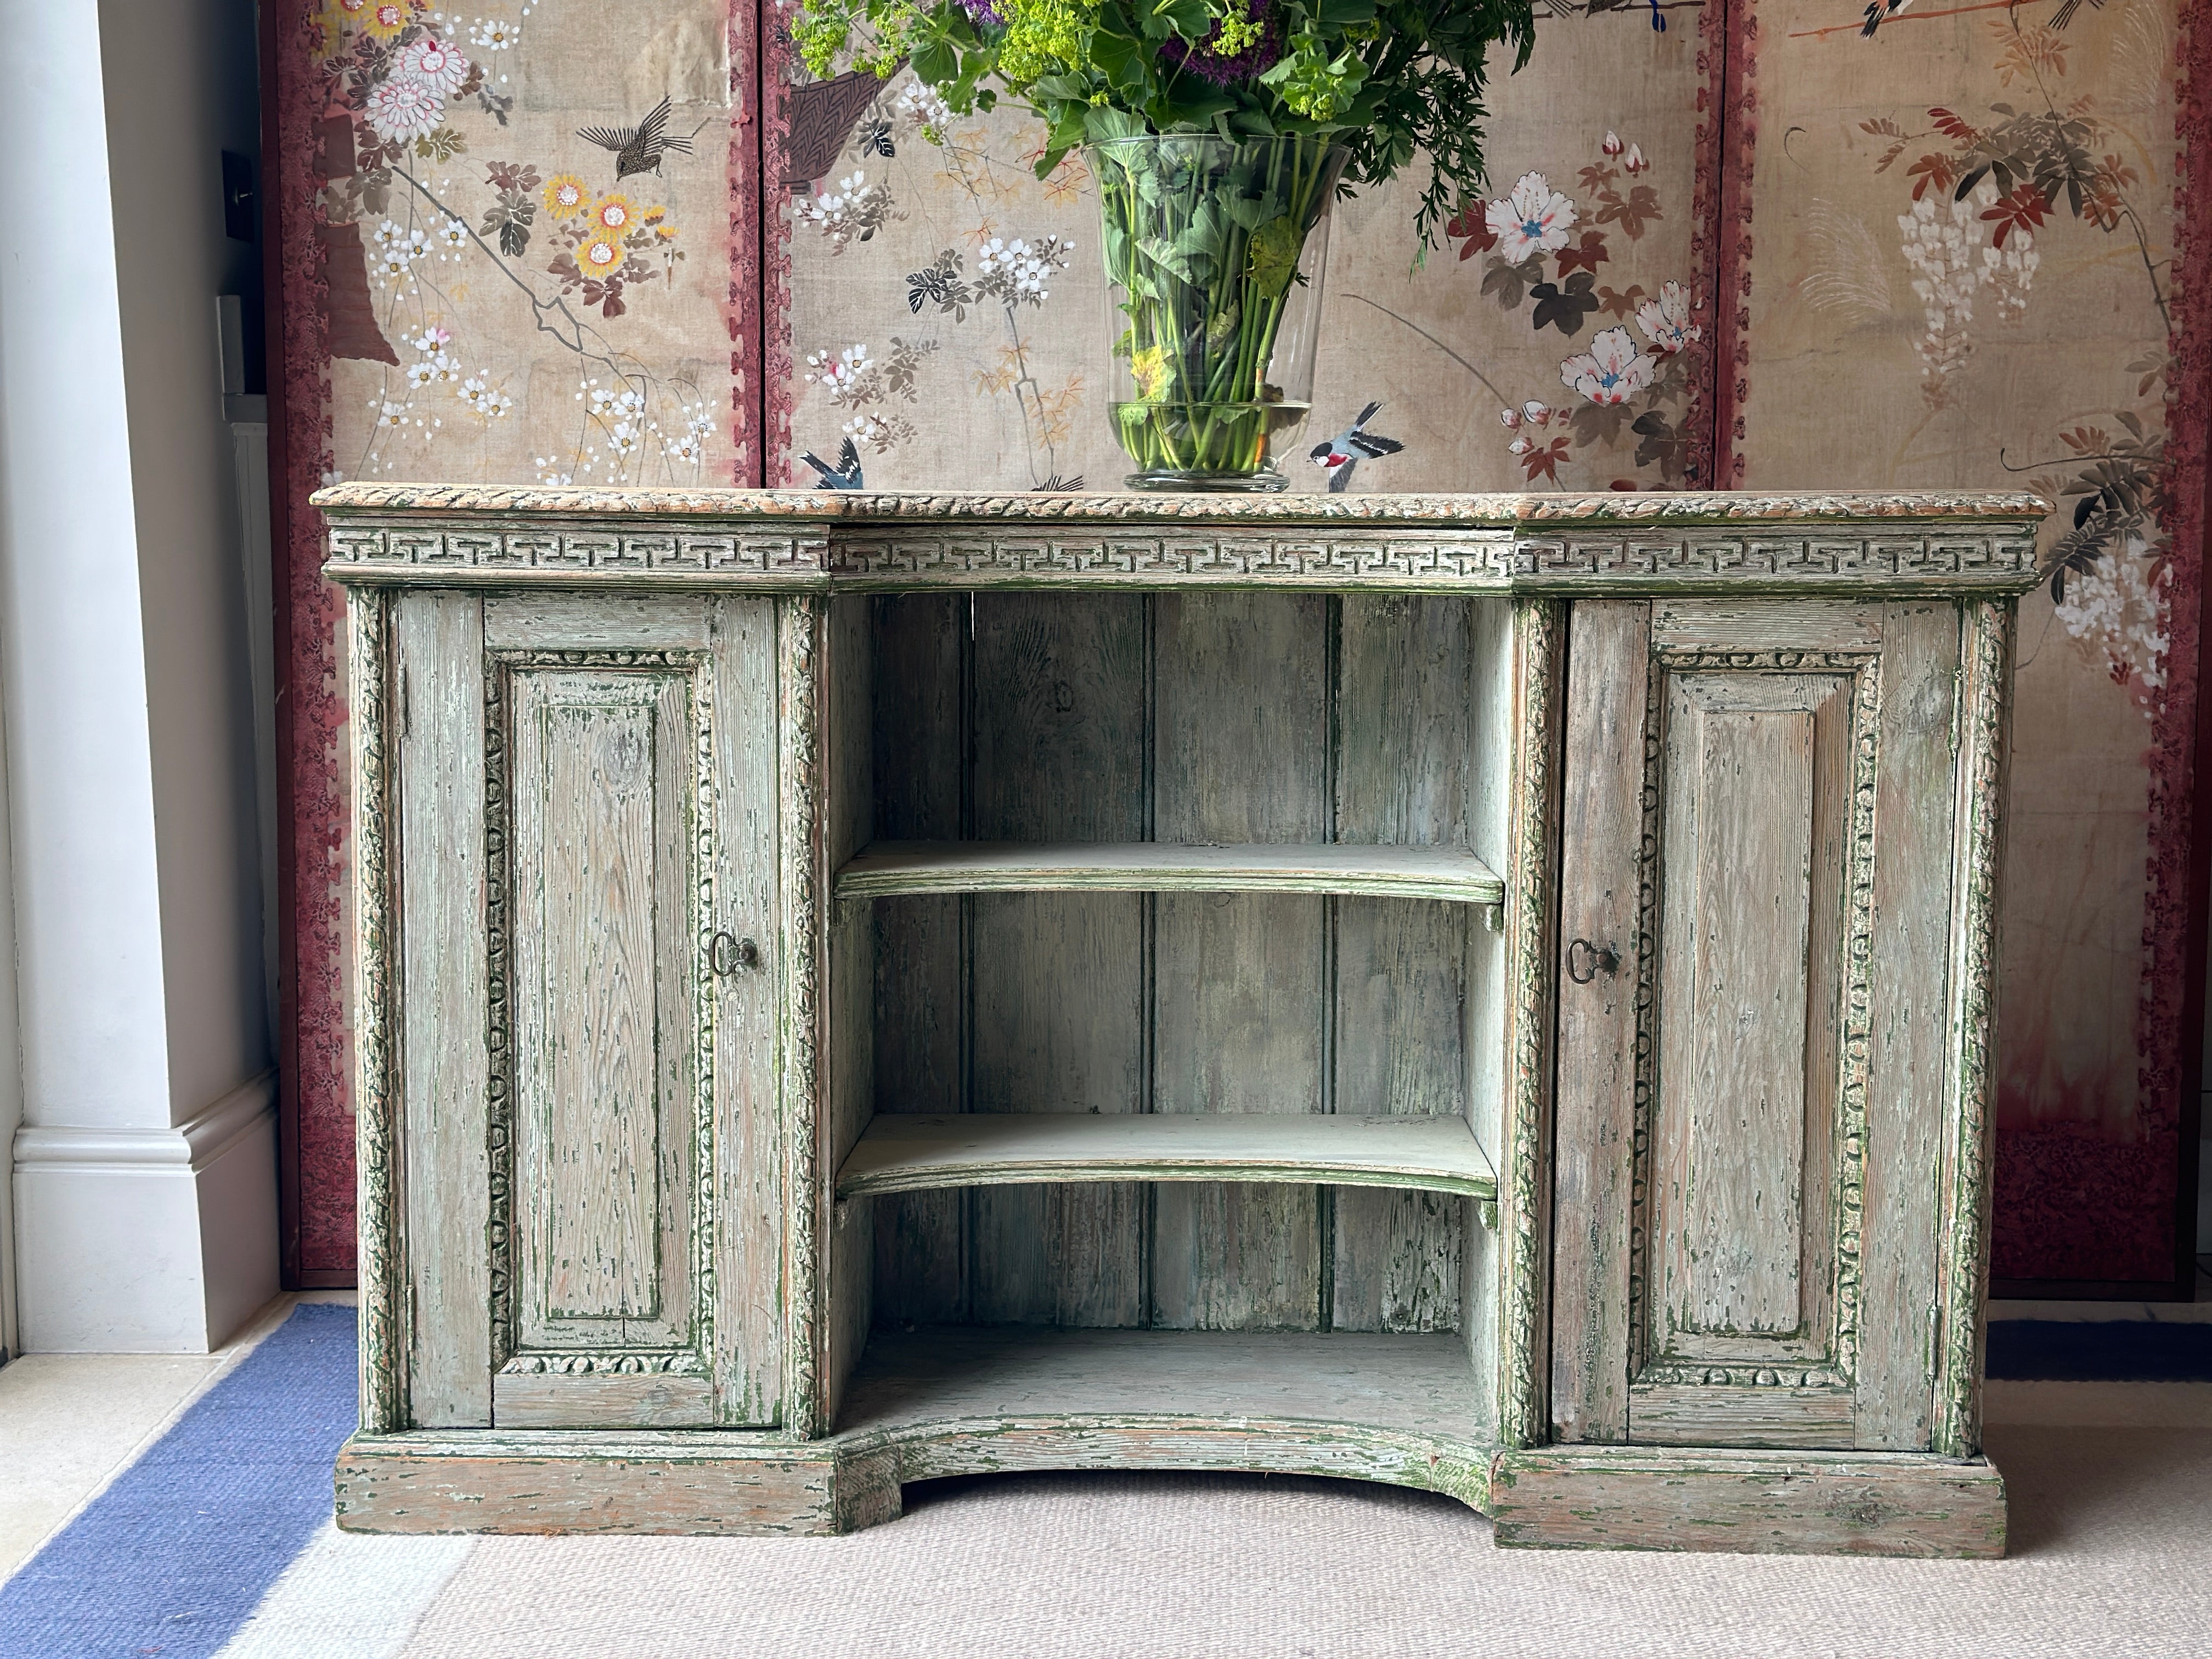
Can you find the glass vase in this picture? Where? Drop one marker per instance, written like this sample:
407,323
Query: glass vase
1214,252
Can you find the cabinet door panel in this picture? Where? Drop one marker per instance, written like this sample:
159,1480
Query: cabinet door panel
1759,802
605,1104
625,1070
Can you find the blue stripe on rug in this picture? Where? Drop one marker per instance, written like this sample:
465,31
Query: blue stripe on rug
181,1547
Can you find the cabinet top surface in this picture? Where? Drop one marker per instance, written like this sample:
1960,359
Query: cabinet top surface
798,540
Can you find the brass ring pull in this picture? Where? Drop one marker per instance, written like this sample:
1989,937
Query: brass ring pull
1592,960
726,954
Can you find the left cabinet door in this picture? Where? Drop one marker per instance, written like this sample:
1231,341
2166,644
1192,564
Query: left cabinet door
585,801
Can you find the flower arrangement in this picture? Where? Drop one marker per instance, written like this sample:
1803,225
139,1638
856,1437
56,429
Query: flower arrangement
1219,132
1382,78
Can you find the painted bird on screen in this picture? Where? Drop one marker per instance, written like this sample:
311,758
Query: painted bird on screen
846,475
1340,454
1879,12
639,148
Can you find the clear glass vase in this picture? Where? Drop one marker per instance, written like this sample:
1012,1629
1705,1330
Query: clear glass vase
1214,254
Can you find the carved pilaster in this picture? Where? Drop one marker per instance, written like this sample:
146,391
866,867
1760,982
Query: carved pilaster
383,1335
1531,907
804,881
1963,1264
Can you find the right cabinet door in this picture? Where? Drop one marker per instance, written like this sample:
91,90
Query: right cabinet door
1756,879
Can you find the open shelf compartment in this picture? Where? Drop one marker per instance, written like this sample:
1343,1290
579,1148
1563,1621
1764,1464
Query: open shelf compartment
944,1375
900,1153
1165,1008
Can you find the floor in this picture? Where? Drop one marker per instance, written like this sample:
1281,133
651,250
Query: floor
70,1422
2110,1551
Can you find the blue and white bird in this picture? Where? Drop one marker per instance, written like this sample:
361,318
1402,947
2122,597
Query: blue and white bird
1340,454
846,475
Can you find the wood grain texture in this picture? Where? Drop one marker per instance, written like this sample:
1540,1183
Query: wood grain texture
1750,1177
1752,624
1909,1027
380,1240
552,1400
921,1037
1701,1414
445,1063
686,1484
1729,1126
848,1080
1405,759
605,1006
1242,1017
993,866
594,622
945,1402
1601,829
850,1090
1057,981
1486,1023
1434,1154
1416,1383
1747,1502
742,1276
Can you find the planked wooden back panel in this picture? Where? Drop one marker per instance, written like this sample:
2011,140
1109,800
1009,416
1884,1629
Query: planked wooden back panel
1242,716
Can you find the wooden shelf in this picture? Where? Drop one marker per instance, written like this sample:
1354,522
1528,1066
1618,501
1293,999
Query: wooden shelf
898,1153
1004,1375
890,867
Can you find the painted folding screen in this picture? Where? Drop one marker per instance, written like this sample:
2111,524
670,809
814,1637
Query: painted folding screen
1745,248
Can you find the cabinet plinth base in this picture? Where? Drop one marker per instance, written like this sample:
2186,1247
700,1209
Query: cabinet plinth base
1748,1502
586,1481
1554,1497
566,1481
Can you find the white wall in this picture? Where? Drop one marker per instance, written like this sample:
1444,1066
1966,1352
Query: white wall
145,1176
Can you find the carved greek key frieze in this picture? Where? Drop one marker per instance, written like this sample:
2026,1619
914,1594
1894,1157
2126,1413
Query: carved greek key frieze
1440,550
1477,558
575,549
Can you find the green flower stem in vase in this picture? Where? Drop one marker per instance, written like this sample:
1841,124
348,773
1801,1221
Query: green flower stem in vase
1214,250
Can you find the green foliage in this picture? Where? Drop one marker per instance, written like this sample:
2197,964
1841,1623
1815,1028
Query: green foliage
1383,78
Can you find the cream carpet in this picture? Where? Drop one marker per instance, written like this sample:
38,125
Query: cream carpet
2111,1554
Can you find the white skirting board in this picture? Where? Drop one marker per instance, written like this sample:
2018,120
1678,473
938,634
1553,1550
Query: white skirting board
148,1241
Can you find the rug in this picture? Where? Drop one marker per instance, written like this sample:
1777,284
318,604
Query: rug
218,1542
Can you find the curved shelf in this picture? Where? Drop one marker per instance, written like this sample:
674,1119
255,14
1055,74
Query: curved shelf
898,1153
1405,1410
886,868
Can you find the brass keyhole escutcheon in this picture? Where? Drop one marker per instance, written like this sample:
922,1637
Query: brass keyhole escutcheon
1585,960
726,954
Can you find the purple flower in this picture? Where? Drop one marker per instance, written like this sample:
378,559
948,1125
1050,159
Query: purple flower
981,12
1203,62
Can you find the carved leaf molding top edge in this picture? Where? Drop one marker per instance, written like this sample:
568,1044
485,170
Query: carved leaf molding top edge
1501,510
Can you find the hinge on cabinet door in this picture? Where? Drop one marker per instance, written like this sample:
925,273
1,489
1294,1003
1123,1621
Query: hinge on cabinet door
1494,917
1958,703
1487,1209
